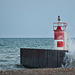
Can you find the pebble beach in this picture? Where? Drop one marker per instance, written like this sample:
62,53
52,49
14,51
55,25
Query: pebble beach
42,71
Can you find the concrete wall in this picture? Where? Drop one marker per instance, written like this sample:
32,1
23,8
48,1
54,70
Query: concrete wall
41,58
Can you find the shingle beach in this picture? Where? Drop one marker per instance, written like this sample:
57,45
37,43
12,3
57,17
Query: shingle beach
43,71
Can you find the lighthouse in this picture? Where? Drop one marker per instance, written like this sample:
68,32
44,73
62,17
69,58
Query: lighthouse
60,35
47,58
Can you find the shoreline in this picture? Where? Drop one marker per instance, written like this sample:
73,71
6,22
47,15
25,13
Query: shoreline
41,71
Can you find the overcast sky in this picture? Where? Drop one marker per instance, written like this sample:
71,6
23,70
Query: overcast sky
34,18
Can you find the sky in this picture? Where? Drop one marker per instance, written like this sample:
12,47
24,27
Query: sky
34,18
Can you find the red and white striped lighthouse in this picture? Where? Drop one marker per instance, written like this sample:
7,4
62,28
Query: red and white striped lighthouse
60,35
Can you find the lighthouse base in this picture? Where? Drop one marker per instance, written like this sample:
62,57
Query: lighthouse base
42,58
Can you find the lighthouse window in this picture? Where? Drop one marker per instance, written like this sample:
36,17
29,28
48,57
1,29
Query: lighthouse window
60,44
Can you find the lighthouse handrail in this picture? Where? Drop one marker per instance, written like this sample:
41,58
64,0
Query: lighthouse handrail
62,24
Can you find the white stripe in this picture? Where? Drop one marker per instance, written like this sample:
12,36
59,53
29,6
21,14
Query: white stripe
55,45
58,40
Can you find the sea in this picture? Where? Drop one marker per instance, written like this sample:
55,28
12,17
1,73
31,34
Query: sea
10,51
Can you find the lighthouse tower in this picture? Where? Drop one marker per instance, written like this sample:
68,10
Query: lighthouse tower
60,35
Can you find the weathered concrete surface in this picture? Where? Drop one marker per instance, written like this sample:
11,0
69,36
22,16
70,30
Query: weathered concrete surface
45,71
42,58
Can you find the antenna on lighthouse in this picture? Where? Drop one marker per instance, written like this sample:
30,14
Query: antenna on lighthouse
58,18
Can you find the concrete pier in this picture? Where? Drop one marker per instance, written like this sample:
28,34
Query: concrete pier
42,58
